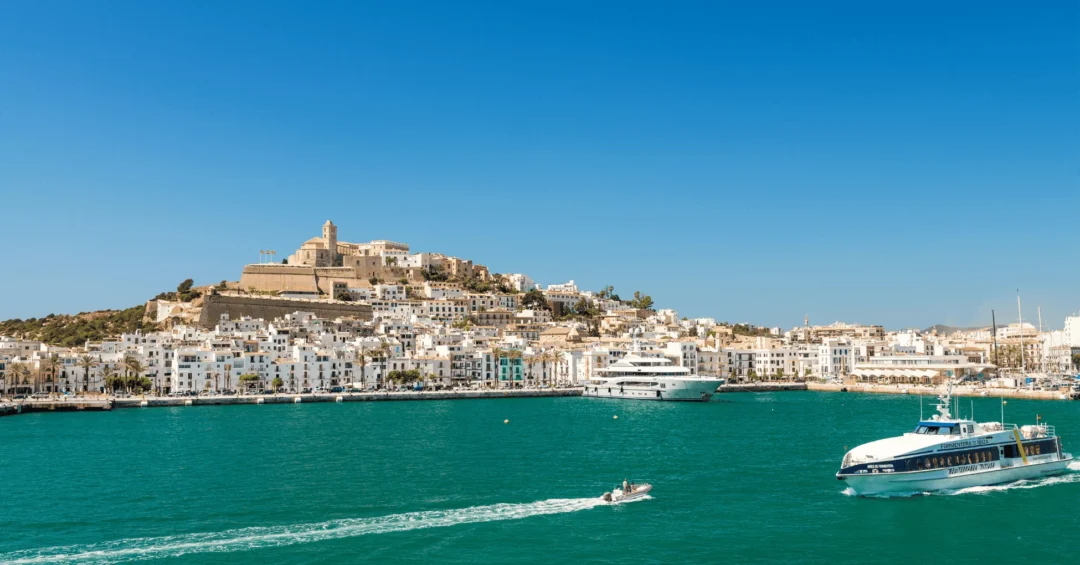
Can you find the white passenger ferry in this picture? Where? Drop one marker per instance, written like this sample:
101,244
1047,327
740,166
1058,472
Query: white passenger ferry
949,453
649,378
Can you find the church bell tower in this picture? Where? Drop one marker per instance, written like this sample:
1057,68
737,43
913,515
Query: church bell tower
329,236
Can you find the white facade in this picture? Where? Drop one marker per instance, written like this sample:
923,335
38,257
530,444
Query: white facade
520,282
1072,331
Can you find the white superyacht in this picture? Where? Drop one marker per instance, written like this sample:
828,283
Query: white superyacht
951,453
649,378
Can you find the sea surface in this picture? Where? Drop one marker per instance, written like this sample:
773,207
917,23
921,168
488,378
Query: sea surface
746,478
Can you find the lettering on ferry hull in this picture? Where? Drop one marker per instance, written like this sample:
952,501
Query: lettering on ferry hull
972,468
965,443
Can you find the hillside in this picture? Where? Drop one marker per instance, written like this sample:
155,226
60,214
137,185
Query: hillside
943,329
74,330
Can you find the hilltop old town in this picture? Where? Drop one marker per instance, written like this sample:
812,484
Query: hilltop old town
337,316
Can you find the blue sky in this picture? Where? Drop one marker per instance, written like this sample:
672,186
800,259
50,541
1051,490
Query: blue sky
902,163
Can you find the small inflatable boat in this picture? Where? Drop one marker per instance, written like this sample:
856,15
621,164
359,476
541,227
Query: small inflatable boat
634,492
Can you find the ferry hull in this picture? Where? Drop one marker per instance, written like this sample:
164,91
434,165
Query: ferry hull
940,479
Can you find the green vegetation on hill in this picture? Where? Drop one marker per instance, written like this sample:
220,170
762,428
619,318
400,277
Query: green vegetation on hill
184,292
73,331
748,330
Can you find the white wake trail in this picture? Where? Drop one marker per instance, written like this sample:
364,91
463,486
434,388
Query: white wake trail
244,539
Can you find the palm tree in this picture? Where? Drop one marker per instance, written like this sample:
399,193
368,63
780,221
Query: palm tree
107,373
227,377
50,365
514,354
87,362
134,368
497,354
545,358
532,361
18,374
361,359
384,349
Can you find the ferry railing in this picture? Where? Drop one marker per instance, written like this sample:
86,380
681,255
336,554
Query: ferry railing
1039,431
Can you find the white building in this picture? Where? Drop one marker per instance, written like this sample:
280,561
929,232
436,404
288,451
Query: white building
520,282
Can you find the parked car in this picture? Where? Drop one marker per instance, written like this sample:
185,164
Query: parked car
337,389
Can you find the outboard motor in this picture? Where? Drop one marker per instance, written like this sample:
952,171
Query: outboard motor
606,497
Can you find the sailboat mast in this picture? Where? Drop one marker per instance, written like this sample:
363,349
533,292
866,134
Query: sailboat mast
1020,311
993,321
1042,358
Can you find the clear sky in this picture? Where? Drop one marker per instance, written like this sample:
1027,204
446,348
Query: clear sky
900,163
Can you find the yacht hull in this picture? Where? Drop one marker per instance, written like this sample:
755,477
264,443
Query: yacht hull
681,390
941,479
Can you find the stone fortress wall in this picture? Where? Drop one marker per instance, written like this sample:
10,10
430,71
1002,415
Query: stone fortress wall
269,308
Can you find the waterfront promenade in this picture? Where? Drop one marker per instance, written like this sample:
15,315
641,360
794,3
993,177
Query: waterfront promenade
981,392
68,404
960,390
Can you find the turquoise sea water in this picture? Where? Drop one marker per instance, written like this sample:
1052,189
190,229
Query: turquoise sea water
747,478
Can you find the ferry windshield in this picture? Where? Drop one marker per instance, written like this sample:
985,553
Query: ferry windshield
937,430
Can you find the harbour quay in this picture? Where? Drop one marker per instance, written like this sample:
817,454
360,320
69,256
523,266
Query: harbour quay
222,400
960,390
56,405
